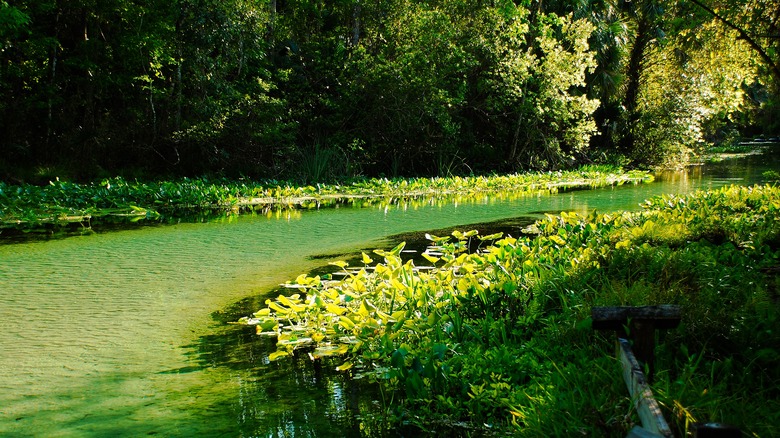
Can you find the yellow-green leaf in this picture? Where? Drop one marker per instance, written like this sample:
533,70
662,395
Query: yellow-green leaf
345,366
397,250
332,308
346,323
430,258
277,308
341,264
277,354
558,240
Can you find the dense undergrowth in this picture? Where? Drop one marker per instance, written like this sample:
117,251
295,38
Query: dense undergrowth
492,334
61,202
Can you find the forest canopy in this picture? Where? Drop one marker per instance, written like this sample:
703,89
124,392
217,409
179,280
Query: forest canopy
315,90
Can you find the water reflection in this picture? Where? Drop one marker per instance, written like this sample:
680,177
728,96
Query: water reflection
292,209
294,397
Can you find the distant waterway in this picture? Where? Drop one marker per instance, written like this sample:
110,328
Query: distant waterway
124,333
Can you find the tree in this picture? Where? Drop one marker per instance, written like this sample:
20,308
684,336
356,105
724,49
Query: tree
165,85
693,93
647,20
757,22
464,84
539,83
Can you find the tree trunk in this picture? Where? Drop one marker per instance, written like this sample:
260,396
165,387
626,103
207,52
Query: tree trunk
271,22
178,84
53,60
634,77
179,92
356,24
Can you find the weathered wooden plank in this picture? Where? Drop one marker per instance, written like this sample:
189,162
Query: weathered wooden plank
639,432
646,405
664,316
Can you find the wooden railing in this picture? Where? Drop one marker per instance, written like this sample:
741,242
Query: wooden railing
635,330
637,326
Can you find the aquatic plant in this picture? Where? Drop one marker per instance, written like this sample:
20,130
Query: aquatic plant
493,331
61,202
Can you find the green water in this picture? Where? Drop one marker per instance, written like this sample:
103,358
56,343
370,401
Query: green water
123,334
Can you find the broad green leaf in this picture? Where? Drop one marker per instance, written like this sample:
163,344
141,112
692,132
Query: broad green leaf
493,236
557,239
347,323
277,308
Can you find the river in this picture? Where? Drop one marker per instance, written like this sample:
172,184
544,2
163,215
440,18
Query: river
123,333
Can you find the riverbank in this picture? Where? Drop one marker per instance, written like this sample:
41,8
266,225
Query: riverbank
61,203
491,334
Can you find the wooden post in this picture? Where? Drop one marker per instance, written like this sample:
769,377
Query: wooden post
638,324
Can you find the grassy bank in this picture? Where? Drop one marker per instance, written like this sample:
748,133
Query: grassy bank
60,202
492,333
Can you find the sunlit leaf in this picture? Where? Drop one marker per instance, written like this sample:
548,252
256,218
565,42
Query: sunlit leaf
493,236
337,310
263,312
397,250
346,323
277,354
435,238
557,239
341,264
344,367
430,258
277,308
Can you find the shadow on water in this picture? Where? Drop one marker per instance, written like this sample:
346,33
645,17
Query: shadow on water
117,415
48,231
290,397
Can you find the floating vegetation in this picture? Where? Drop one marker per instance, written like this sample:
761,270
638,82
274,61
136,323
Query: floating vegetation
29,207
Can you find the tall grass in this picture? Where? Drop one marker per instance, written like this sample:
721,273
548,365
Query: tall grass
321,164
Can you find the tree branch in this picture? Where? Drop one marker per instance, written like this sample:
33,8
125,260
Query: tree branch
773,67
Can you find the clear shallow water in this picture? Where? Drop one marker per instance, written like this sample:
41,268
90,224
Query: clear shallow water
123,333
